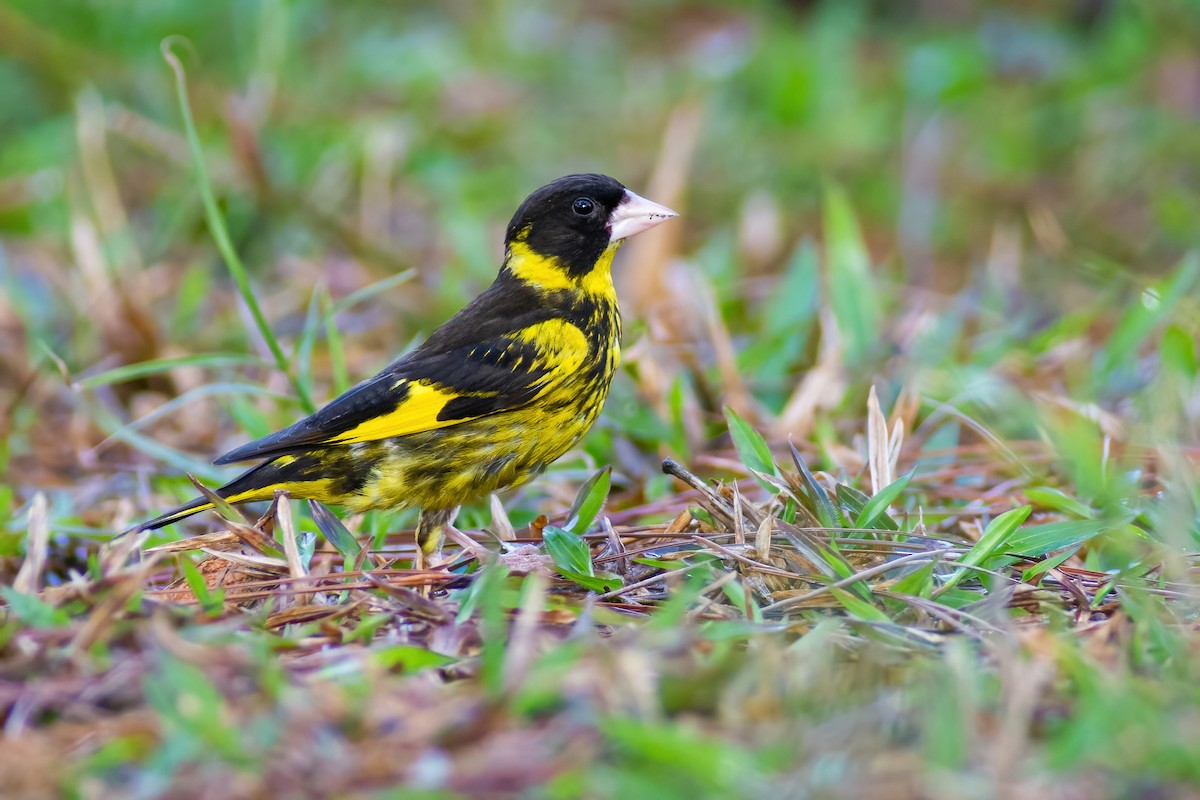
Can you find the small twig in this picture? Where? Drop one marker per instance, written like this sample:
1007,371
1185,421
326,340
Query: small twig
29,576
855,578
500,521
739,524
411,600
617,546
673,468
644,583
946,614
287,531
757,566
467,543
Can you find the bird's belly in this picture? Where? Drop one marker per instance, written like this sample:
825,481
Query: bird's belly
447,467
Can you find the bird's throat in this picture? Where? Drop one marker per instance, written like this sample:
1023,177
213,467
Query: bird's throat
549,274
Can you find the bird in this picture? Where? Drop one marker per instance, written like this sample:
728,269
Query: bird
505,387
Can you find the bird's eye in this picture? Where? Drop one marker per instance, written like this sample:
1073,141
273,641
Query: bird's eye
583,206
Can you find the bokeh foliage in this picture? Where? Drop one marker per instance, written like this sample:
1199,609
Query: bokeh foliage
989,207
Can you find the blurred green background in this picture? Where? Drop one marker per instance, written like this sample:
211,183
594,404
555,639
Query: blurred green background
992,198
941,118
1018,172
1049,147
991,207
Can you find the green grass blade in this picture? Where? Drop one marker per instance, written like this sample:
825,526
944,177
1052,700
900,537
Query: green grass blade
994,539
492,584
751,447
142,369
1153,307
860,608
1047,565
335,532
337,353
211,601
1057,500
33,611
176,459
371,290
918,583
1038,540
216,224
302,355
568,550
826,511
588,502
879,503
851,286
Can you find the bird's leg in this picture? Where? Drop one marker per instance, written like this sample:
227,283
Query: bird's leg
431,531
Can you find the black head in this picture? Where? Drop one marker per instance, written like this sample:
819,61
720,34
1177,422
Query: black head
569,220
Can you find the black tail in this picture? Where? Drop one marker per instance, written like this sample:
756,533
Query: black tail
304,475
182,512
257,483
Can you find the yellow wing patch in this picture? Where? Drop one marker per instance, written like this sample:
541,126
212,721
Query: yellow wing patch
562,348
418,412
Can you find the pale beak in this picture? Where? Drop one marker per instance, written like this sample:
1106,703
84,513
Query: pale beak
635,214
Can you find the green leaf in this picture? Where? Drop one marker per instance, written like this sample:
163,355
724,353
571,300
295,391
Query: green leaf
588,502
568,550
306,546
188,704
852,291
1056,500
493,627
599,582
1155,305
176,459
994,539
1178,351
879,503
860,608
918,583
212,601
335,532
831,554
676,755
786,321
751,448
851,502
302,353
1037,540
34,611
737,593
1047,564
365,630
996,536
826,512
408,657
179,405
957,598
670,614
220,504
